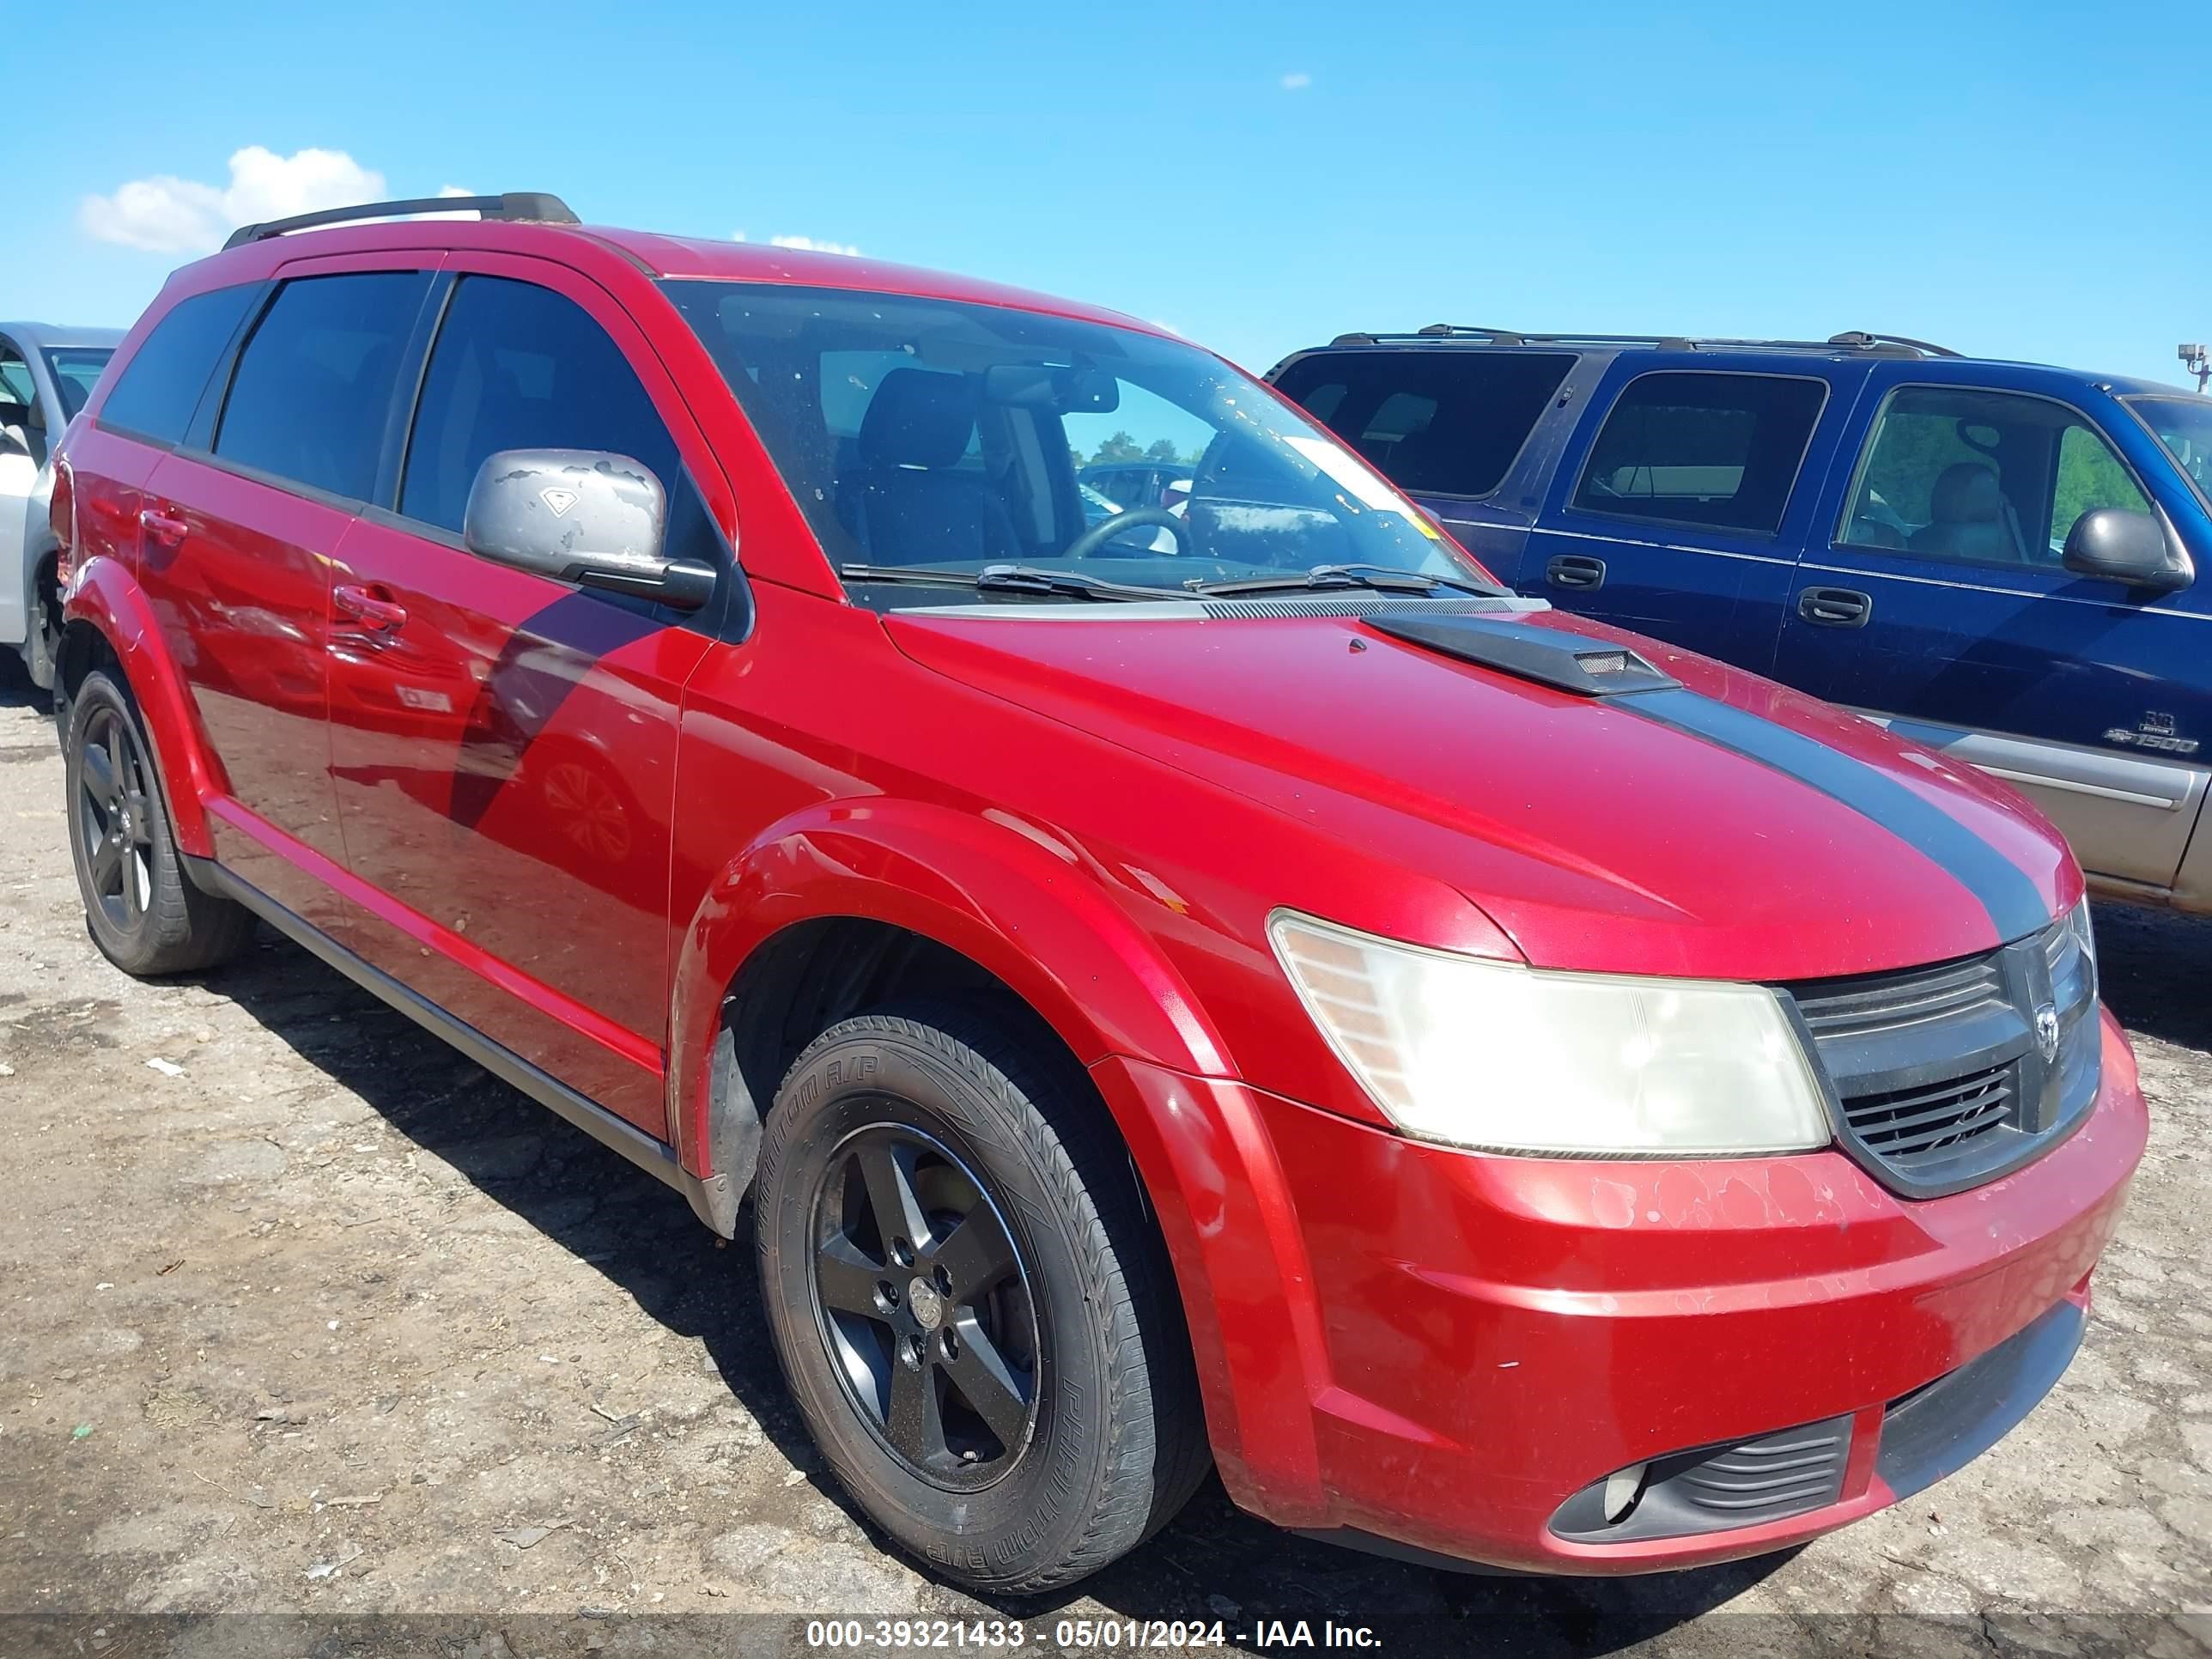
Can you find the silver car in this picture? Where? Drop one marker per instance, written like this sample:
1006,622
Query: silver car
45,375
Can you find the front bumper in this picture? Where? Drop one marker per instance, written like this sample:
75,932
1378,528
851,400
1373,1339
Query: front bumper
1437,1351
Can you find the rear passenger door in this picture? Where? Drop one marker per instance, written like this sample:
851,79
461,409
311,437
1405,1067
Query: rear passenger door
1457,428
503,746
1678,511
1937,601
236,554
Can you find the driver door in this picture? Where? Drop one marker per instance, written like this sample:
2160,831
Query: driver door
1939,604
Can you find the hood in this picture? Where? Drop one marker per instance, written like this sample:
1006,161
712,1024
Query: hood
1725,827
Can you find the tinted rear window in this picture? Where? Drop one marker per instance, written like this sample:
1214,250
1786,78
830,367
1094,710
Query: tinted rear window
1437,422
160,387
313,386
1703,447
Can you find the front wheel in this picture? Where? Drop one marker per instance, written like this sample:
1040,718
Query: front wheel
974,1314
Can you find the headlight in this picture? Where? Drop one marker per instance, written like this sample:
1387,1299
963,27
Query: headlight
2077,923
1502,1058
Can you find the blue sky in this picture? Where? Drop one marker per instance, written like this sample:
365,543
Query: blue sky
2026,180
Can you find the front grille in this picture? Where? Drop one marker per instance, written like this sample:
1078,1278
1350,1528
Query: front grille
1899,1122
1938,1075
1889,1003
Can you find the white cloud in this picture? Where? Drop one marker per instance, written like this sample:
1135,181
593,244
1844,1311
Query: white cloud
447,191
803,244
807,244
1296,81
164,214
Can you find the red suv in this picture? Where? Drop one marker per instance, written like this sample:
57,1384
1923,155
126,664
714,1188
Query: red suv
1230,982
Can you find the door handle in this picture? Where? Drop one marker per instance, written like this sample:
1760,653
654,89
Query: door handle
1575,570
166,529
372,610
1835,607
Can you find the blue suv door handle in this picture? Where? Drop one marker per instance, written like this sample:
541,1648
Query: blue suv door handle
1575,570
1835,607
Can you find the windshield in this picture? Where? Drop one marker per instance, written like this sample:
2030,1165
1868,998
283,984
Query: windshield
76,370
929,433
2183,425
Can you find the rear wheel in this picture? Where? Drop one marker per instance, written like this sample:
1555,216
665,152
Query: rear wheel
973,1315
145,915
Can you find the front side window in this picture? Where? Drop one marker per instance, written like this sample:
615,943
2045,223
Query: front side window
520,367
1446,422
76,370
313,386
2183,425
931,433
1982,478
160,386
1701,448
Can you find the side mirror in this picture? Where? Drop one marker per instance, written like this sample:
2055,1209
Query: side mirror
2122,546
12,436
582,516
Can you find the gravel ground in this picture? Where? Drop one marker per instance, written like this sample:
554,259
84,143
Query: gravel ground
309,1326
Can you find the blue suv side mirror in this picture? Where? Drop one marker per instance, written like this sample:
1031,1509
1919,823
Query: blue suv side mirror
2122,546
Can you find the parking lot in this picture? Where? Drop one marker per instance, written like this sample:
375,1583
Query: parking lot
302,1314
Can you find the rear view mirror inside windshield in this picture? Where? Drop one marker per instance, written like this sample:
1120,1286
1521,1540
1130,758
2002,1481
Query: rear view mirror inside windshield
1064,389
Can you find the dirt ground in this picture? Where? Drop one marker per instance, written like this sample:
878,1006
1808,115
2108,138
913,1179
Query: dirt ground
316,1338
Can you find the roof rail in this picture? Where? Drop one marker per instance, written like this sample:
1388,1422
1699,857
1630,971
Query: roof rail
1859,340
515,205
1894,345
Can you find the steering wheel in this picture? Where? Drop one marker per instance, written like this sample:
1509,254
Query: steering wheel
1087,545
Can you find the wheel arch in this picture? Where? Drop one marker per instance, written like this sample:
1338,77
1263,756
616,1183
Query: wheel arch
107,620
917,894
908,894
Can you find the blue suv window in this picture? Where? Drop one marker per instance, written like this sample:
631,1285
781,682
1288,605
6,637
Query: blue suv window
1703,446
1446,422
1982,478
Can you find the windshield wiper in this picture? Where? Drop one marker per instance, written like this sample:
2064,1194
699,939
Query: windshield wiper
1007,579
1380,577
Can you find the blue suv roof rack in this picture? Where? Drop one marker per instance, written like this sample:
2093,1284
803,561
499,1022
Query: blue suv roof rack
1891,345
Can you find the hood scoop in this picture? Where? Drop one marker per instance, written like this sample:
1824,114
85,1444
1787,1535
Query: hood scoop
1565,662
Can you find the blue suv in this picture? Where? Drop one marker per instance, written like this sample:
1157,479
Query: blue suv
1999,560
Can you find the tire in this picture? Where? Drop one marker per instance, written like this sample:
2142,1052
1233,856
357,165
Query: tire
142,910
1053,1370
42,634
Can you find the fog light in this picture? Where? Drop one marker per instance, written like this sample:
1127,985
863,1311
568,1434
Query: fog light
1622,1491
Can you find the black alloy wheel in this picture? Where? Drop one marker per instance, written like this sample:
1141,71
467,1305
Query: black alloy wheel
143,909
924,1306
977,1318
114,820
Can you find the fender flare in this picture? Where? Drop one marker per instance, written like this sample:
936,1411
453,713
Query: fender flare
1011,898
1039,913
104,596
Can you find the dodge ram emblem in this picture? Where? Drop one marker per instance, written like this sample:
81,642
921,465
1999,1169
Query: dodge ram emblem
2046,1033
